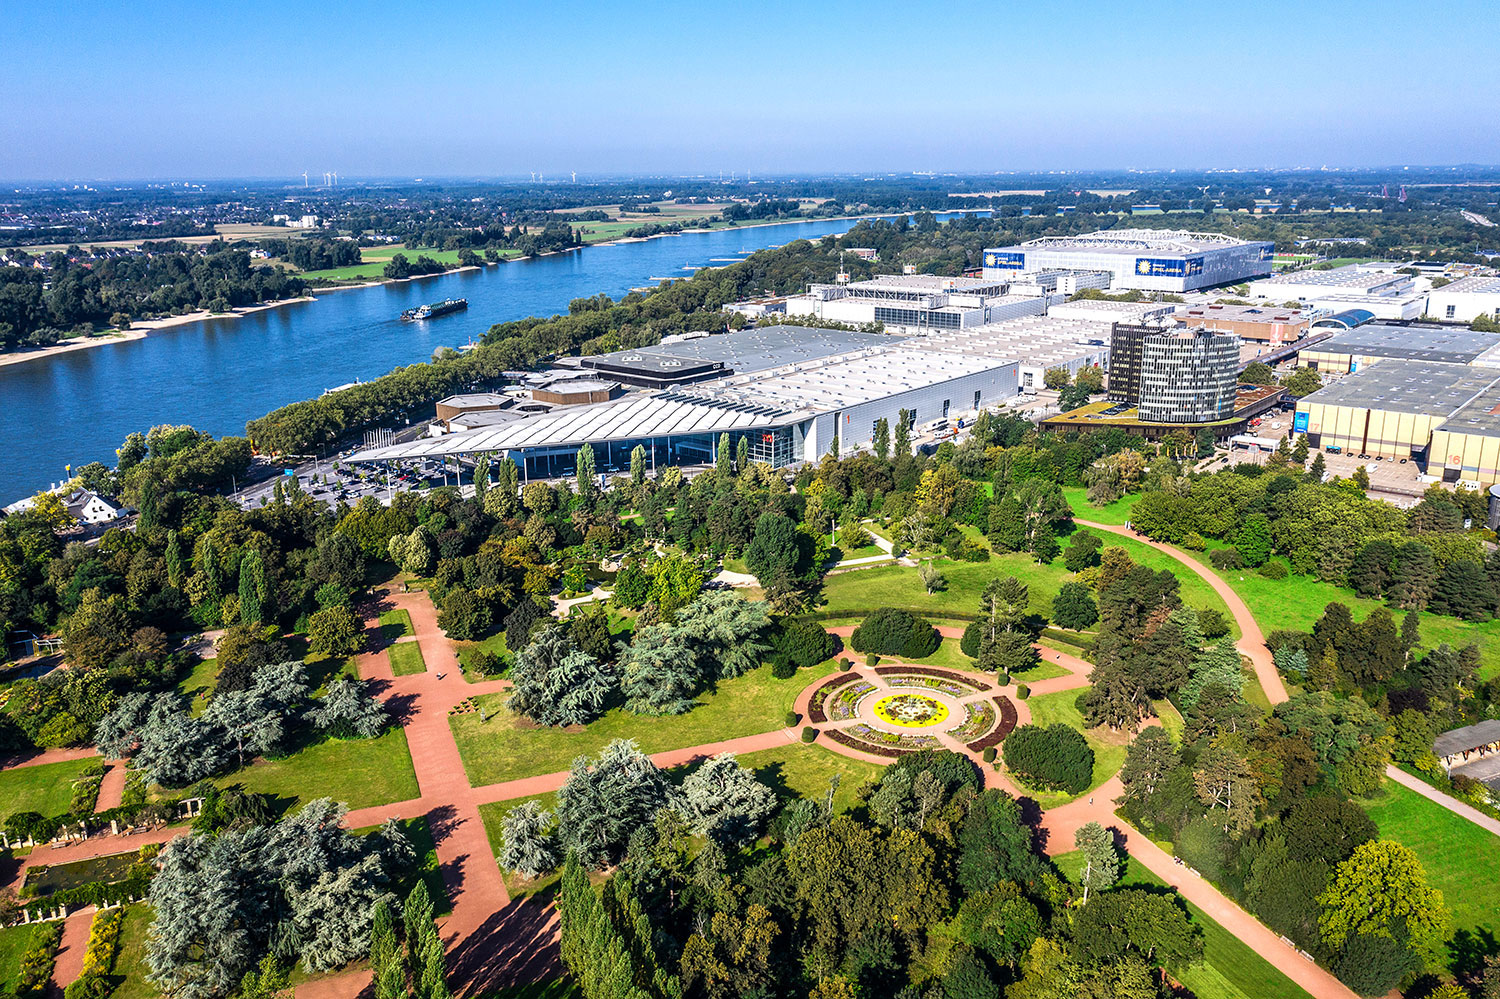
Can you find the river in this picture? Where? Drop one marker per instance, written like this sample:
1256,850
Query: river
77,407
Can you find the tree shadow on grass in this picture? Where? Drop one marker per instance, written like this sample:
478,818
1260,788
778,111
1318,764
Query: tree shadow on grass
1469,949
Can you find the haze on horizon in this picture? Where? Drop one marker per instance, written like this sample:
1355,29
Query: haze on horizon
162,90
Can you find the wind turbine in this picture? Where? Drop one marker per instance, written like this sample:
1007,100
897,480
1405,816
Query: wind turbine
304,178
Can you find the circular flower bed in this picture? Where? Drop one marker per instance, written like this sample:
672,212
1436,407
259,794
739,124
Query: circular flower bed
910,710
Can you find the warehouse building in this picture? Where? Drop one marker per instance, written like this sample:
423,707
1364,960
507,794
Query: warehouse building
1036,343
1367,344
1393,409
1354,279
917,303
1466,299
684,360
1104,311
1248,322
1145,259
792,395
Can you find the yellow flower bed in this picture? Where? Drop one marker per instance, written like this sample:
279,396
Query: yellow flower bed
911,710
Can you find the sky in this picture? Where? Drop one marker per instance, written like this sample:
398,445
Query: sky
145,90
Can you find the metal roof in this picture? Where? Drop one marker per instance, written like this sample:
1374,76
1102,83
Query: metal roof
1424,387
1456,344
744,351
1137,241
1348,319
1476,285
1469,737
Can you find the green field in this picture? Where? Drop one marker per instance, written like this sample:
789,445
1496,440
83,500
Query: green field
130,961
1116,513
1462,860
396,623
1109,748
14,941
1230,969
406,659
507,746
1297,601
899,586
800,770
47,788
374,259
358,772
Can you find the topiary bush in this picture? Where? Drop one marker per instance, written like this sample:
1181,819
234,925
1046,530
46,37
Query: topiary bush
797,644
894,632
1022,691
973,635
809,733
989,754
1273,570
1057,757
791,718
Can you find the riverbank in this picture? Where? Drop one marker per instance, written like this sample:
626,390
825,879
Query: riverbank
138,331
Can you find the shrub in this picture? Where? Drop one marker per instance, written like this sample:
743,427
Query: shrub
973,635
1213,623
1273,570
1056,757
1002,678
809,733
791,718
797,644
1193,542
989,754
1226,558
893,632
1022,692
871,660
36,962
783,669
89,987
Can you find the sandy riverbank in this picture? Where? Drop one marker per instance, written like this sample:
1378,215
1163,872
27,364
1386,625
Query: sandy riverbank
137,331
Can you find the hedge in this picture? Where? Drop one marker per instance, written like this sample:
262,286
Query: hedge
36,963
933,671
863,612
894,632
104,940
1056,757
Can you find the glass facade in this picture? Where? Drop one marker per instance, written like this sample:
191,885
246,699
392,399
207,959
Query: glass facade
774,447
918,317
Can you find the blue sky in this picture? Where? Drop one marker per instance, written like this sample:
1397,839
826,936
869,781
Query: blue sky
142,90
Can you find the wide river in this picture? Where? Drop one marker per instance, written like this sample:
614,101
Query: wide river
216,374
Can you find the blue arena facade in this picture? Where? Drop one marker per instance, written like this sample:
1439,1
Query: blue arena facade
1142,259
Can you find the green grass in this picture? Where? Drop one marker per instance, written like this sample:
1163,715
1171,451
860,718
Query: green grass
396,623
358,772
1462,860
14,941
406,659
1297,601
1109,748
507,746
47,789
1230,968
799,770
374,258
899,586
494,644
552,988
130,961
1171,718
1115,513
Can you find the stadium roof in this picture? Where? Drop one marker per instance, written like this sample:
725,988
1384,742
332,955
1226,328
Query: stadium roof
1453,344
1425,387
1137,240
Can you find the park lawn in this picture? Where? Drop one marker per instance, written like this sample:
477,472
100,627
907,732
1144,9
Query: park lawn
47,788
1115,513
130,959
1109,747
359,773
1230,968
396,623
803,770
1171,718
507,746
406,659
1296,602
899,586
1462,860
14,941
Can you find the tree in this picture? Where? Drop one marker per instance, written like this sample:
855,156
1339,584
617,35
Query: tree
1254,540
1463,590
1224,780
252,588
464,616
1150,758
1317,470
659,673
1218,663
98,631
1002,922
725,632
529,841
1082,551
553,683
1044,544
1258,373
1414,574
902,447
882,442
1074,607
932,580
1056,757
1382,890
586,474
1135,920
414,553
335,631
1101,862
605,800
1007,526
893,632
1055,378
724,801
1301,382
348,709
776,550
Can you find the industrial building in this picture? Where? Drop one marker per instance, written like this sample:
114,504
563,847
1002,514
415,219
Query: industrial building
917,303
1354,349
1466,299
1248,322
695,358
1144,259
1105,311
1308,285
792,392
1407,305
1393,409
1036,343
